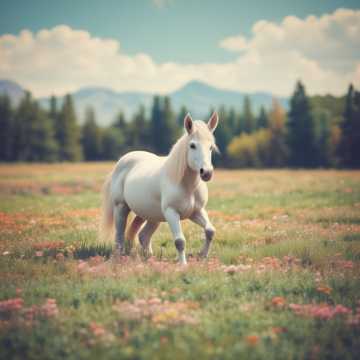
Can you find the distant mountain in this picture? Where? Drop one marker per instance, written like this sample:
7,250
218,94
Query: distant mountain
13,90
196,96
106,102
199,98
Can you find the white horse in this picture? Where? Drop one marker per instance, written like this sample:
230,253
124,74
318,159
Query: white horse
161,189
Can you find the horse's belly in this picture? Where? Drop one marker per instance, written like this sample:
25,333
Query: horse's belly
148,210
142,196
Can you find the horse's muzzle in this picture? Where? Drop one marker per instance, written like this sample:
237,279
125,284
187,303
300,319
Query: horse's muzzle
205,175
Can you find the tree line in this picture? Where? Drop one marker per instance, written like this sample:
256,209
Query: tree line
315,132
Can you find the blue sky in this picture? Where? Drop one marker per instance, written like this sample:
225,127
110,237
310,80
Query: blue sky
189,34
178,30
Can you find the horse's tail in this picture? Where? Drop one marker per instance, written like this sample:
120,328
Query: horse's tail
107,211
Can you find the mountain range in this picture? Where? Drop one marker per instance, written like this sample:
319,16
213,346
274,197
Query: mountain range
13,90
196,96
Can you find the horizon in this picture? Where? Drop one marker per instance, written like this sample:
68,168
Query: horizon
242,47
190,82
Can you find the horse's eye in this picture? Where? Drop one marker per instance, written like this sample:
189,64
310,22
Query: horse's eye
193,146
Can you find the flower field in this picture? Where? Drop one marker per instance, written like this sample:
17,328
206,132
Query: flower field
282,280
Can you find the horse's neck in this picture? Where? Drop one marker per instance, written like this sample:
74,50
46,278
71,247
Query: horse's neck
191,180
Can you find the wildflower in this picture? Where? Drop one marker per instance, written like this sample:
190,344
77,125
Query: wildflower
324,289
154,301
60,257
321,311
318,277
101,334
346,264
97,330
96,260
278,301
252,340
11,305
175,290
278,330
82,266
231,270
48,245
49,309
39,253
158,311
18,291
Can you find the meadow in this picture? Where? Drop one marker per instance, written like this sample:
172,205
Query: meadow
281,282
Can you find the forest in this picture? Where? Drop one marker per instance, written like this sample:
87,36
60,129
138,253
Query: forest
316,131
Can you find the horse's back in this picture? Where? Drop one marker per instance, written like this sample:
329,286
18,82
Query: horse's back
133,158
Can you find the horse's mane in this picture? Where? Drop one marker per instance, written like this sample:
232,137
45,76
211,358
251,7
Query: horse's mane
176,161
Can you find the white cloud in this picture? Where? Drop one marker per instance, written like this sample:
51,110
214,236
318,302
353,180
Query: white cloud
322,51
234,43
161,3
62,59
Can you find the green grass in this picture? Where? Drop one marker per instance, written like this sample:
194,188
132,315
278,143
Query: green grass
261,217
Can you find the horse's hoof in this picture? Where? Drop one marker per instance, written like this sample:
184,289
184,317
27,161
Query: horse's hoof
202,255
118,254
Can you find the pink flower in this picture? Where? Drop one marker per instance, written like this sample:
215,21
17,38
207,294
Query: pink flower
322,311
60,257
49,309
97,329
11,305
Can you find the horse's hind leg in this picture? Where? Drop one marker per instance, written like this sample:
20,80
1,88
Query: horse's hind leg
133,230
145,236
121,214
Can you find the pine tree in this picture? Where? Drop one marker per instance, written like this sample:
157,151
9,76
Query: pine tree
43,146
349,148
323,138
170,125
156,124
223,136
22,118
301,131
53,112
33,133
113,143
163,127
248,118
232,121
277,148
139,130
356,134
91,136
121,124
67,132
6,129
181,116
262,121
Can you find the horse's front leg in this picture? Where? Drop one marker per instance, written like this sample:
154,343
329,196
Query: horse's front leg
173,219
200,217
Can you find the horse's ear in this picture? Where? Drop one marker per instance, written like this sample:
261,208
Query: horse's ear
213,121
188,124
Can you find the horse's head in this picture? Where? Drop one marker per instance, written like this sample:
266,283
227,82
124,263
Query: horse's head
201,144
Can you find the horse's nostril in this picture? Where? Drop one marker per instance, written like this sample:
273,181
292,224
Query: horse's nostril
201,171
